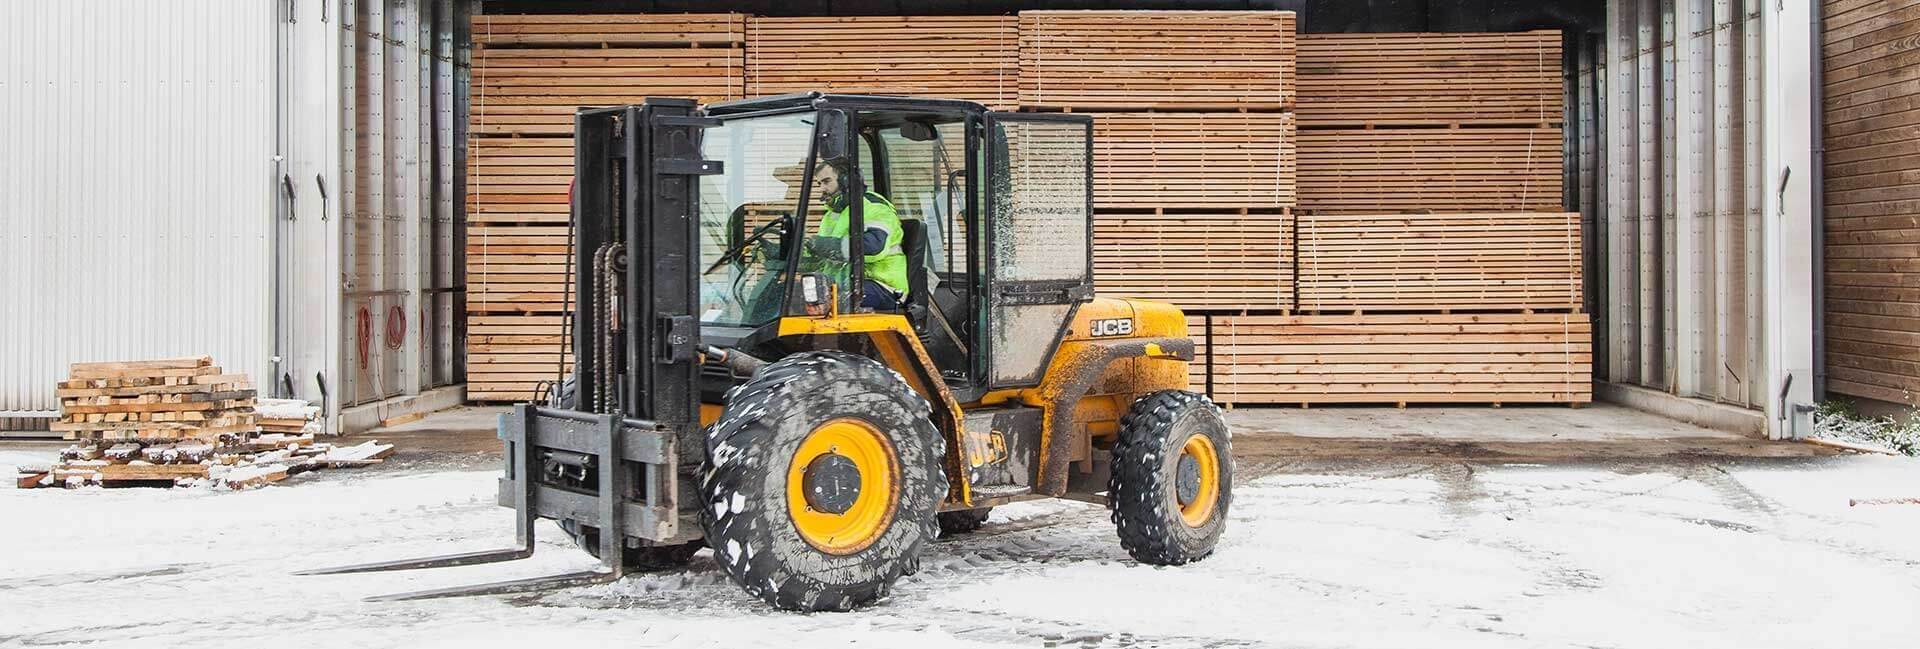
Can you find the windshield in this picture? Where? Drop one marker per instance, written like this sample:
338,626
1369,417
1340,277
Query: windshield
763,176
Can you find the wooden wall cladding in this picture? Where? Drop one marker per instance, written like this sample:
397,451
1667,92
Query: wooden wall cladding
1196,260
1430,79
976,58
1373,171
1396,359
530,73
1188,160
1134,60
1510,260
1871,63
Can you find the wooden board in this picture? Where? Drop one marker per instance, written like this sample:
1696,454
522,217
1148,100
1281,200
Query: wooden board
1193,160
1397,79
1871,70
1395,359
530,73
509,355
1192,259
1362,171
975,58
1514,261
1134,60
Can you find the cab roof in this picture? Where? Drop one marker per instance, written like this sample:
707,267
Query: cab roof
821,100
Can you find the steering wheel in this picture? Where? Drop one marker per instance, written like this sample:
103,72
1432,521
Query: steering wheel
738,252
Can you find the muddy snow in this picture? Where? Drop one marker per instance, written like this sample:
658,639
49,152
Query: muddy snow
1318,554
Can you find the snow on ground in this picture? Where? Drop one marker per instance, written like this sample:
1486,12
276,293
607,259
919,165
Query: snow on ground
1383,554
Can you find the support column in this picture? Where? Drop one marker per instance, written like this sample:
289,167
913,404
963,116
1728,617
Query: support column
1787,216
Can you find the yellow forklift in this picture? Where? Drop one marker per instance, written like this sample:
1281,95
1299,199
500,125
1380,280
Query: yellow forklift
743,383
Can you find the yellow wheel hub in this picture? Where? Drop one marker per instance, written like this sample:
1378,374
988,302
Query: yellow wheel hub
841,486
1197,481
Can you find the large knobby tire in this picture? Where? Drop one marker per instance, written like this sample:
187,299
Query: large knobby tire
653,558
963,521
823,478
1164,517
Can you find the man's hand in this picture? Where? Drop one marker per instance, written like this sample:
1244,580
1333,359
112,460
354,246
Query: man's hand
827,248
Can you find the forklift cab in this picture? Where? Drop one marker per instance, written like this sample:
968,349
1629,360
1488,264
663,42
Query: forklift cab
946,168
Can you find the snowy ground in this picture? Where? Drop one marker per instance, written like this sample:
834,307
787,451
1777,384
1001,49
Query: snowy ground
1320,553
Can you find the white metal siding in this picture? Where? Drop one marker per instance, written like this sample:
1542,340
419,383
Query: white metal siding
1701,178
136,186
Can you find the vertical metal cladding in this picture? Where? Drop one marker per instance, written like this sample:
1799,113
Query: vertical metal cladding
136,187
1677,89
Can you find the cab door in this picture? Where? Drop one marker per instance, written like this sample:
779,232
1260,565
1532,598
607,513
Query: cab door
1039,239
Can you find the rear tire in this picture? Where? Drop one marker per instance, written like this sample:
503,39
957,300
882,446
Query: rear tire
965,521
1172,478
653,558
824,475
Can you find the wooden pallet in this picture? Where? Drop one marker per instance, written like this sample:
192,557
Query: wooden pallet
1399,79
1222,260
1374,171
1395,359
530,73
1872,138
975,58
1135,60
1193,160
1512,261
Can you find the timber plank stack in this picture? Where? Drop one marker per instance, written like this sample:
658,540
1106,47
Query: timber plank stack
975,58
1872,136
1196,259
1372,171
1185,160
1510,261
1402,79
1193,146
174,398
1488,358
1436,263
1138,60
530,75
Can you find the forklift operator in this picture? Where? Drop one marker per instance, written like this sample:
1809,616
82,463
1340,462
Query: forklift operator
886,260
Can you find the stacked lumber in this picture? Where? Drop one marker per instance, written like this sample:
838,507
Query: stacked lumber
1397,359
1374,171
232,464
1191,160
510,356
1134,60
1508,260
1198,260
530,73
975,58
170,398
1871,56
1427,79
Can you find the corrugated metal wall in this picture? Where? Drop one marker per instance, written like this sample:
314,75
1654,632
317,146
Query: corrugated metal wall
136,186
1674,93
401,282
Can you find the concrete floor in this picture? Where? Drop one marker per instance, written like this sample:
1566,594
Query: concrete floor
465,435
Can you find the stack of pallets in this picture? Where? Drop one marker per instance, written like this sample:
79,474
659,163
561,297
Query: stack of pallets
975,58
530,74
173,398
1193,158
